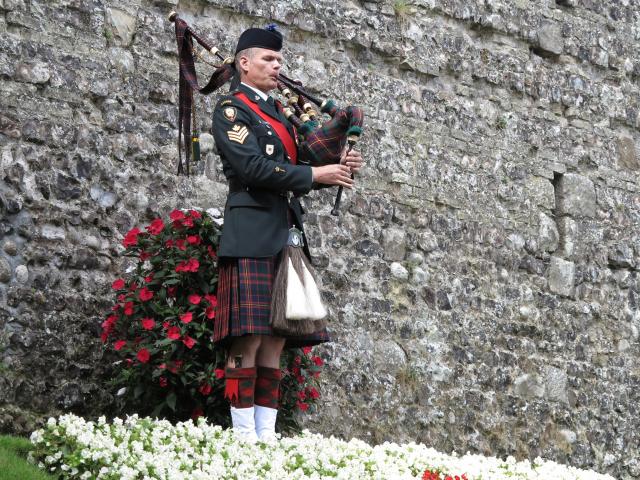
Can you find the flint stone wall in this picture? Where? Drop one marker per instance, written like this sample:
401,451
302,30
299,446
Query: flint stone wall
483,278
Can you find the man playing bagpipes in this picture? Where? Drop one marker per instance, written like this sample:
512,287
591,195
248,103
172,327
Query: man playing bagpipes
263,230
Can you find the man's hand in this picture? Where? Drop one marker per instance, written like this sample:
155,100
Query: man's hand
353,160
333,175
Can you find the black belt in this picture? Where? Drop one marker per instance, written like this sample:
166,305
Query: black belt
235,185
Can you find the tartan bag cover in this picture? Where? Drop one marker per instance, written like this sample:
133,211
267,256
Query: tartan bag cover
325,144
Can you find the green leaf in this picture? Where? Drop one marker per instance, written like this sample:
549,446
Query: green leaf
171,401
158,409
139,390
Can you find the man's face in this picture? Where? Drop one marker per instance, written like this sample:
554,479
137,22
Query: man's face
260,70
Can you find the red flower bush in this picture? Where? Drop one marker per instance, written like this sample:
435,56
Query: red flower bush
161,327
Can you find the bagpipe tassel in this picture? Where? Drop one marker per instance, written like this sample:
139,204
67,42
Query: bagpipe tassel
195,146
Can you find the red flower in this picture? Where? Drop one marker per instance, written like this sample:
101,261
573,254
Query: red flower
186,317
145,294
148,278
188,341
176,215
131,238
143,355
205,389
195,214
173,333
148,323
297,360
301,395
212,299
115,307
156,226
133,287
118,284
212,252
194,239
188,222
180,244
169,243
300,379
306,350
128,308
122,297
302,406
110,321
318,361
144,256
163,381
104,336
313,393
173,367
119,344
219,373
190,265
210,312
165,325
194,298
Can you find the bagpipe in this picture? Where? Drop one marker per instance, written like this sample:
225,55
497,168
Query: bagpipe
322,142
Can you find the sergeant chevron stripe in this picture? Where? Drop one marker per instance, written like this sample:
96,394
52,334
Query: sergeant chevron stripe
238,133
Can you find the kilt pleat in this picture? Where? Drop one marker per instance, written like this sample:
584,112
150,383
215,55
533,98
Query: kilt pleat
244,302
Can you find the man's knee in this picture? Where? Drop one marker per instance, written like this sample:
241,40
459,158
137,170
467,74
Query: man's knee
269,341
247,344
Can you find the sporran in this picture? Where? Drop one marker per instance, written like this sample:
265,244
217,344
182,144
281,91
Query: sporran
296,305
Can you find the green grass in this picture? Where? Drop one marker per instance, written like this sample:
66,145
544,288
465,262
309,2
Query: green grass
13,460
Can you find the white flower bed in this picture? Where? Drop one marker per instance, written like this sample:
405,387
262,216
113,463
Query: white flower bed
144,448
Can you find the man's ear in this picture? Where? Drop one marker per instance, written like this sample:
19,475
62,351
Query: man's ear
244,64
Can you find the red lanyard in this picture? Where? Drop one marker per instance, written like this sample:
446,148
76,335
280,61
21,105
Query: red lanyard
280,129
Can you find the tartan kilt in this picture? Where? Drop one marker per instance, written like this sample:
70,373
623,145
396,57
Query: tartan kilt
244,302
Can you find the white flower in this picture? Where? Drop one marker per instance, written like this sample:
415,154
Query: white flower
144,448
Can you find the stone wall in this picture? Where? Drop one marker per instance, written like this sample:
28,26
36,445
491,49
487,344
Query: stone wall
483,278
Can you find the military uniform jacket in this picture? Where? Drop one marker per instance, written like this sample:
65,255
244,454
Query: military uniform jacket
260,177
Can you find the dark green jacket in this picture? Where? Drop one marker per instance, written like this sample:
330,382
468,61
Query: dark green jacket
260,176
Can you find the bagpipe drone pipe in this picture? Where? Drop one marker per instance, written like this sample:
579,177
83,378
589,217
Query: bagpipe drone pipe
323,142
